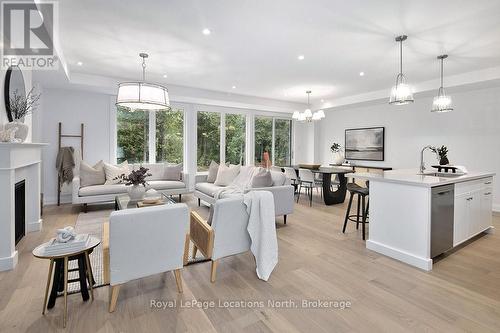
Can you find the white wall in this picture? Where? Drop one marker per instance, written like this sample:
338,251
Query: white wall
471,131
71,108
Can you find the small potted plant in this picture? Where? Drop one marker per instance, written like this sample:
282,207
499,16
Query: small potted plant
21,106
441,154
338,155
136,182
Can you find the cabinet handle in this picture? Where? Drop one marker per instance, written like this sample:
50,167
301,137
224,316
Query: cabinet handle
487,183
487,193
469,198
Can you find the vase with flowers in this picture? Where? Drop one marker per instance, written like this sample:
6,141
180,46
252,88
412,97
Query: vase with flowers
136,182
338,154
20,107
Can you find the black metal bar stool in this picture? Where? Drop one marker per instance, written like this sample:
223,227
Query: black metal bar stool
363,203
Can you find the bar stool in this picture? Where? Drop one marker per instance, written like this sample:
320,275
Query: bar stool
363,203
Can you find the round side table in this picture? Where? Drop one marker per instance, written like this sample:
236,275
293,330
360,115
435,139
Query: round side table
83,258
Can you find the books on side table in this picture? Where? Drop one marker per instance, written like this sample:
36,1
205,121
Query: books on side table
54,247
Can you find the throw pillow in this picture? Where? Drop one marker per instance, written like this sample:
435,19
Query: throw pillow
173,172
213,169
226,174
113,171
92,175
262,178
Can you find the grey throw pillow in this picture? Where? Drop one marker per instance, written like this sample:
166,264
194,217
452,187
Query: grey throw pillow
213,169
92,175
173,172
262,178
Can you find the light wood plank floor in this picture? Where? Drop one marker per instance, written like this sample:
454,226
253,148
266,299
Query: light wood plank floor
316,261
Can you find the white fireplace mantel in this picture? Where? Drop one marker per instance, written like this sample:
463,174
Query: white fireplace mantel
18,161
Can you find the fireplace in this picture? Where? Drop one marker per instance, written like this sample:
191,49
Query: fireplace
20,210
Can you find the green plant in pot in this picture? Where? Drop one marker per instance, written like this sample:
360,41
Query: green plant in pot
20,107
136,182
338,154
442,154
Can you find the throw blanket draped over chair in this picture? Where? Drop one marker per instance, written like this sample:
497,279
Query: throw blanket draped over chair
65,163
262,230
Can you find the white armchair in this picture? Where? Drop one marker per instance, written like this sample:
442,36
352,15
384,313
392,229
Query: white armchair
226,236
147,241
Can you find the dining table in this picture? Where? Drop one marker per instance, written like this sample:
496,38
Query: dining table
330,196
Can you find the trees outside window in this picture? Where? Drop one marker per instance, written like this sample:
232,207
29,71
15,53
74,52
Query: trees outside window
208,141
137,128
169,136
132,135
263,141
282,142
235,138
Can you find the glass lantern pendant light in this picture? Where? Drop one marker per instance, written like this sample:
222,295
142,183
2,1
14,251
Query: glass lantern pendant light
401,93
142,95
441,102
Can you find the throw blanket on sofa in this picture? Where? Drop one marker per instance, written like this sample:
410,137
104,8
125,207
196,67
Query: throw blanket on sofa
262,230
65,162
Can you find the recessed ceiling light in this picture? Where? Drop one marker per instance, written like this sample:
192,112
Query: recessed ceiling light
233,87
79,63
322,100
206,31
361,73
165,76
301,57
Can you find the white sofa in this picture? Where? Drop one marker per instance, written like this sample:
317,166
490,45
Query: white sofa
282,191
147,241
106,193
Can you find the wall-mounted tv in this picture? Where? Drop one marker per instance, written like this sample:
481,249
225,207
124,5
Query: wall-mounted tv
364,144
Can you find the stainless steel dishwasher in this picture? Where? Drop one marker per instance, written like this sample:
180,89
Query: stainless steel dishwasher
442,211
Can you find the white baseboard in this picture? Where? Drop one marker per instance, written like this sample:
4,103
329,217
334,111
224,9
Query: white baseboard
8,263
34,226
496,208
52,200
410,259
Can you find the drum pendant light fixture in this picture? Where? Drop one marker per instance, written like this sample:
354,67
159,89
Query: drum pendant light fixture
401,93
143,95
442,102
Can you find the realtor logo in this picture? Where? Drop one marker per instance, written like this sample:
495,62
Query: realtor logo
28,34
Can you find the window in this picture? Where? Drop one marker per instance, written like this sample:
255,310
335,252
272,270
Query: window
235,138
132,135
273,141
169,136
263,141
208,139
149,136
282,142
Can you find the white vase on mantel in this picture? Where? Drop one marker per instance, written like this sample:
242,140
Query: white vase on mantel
338,158
136,192
22,129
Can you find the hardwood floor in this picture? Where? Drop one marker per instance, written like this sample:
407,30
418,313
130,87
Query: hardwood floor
316,261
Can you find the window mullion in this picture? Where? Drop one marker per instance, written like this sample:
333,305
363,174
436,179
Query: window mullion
273,137
222,138
152,136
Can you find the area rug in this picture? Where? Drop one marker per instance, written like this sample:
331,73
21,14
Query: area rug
92,223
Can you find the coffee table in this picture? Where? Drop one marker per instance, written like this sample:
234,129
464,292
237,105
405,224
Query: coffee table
123,201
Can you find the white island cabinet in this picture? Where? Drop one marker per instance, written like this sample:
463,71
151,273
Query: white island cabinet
414,217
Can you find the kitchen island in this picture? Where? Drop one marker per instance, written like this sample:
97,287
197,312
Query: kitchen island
415,217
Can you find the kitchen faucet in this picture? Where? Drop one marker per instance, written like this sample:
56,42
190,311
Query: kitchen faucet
422,164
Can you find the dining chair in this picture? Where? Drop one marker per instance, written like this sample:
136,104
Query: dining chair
276,168
291,174
306,180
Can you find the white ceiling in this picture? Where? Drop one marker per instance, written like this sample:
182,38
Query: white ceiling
254,44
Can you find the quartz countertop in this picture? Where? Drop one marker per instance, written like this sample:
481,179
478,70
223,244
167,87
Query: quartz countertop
413,177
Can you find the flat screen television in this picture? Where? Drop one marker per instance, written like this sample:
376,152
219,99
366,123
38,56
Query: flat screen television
364,144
